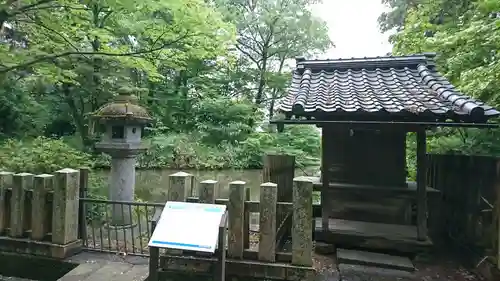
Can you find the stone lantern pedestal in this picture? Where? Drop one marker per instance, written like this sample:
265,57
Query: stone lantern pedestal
124,120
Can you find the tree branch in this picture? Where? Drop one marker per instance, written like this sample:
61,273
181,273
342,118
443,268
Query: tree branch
29,7
257,62
39,23
105,18
66,54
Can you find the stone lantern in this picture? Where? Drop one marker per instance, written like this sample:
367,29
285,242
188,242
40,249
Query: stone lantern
124,120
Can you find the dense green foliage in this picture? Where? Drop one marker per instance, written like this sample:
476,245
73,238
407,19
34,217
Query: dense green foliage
40,155
208,71
465,34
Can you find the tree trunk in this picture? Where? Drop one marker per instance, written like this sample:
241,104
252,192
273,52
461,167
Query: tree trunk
3,18
275,91
77,115
262,80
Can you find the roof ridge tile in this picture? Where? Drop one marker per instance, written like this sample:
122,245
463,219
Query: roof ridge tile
394,85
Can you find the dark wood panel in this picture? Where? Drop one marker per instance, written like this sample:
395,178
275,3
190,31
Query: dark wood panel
374,157
361,205
466,209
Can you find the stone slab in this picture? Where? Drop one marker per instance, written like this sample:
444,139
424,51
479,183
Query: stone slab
110,271
368,273
374,259
81,272
324,248
327,276
137,273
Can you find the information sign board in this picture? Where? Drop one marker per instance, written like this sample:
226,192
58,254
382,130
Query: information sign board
188,226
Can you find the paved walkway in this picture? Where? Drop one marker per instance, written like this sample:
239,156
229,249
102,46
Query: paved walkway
106,271
107,267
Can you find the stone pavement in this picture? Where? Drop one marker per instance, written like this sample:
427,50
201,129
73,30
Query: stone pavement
108,267
109,271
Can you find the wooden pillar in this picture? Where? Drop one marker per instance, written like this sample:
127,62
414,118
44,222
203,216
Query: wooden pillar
302,241
267,221
5,183
179,186
207,191
326,177
421,186
65,206
236,210
41,186
280,169
21,183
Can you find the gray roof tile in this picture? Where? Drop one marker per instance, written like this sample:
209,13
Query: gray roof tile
404,86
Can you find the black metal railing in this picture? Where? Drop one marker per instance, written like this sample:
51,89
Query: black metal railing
117,226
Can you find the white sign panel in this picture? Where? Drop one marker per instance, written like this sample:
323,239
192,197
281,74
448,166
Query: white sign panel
188,226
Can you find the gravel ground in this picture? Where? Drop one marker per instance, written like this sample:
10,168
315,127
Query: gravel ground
444,269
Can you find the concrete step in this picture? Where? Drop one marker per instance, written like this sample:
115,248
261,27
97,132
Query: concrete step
350,272
324,248
354,257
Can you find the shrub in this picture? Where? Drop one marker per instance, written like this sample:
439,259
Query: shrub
41,155
45,155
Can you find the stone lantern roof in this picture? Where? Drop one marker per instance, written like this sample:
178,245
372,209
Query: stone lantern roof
123,108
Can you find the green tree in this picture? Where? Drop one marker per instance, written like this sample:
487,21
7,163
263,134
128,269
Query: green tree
396,18
466,36
82,51
269,32
61,60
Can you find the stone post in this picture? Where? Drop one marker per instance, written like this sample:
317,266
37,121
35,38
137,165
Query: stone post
267,223
5,183
21,183
302,241
207,191
122,183
236,211
65,206
42,184
179,187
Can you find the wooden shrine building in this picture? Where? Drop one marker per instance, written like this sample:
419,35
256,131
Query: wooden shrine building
366,108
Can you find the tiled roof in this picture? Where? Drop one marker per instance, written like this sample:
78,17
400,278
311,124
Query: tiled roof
406,86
